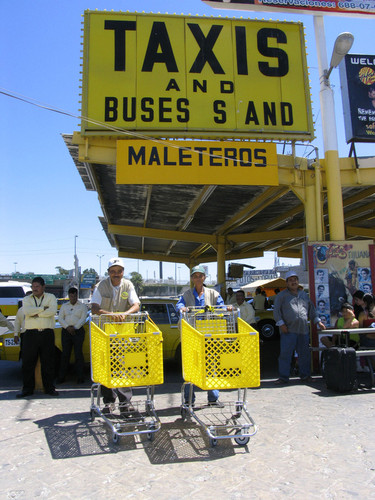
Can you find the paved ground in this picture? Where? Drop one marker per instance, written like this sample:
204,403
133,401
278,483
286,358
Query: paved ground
310,443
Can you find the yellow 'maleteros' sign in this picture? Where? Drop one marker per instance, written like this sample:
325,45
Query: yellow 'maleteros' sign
196,162
190,76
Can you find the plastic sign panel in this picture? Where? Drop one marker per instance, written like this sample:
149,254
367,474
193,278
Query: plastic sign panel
337,269
183,76
196,162
334,7
357,76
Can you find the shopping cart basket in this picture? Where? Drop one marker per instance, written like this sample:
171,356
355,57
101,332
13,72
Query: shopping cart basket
126,354
220,351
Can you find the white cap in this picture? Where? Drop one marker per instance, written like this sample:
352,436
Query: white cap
116,261
289,274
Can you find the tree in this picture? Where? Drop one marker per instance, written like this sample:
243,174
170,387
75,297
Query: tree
137,281
61,270
90,271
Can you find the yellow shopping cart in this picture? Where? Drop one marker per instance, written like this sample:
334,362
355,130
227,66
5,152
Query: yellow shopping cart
220,351
126,354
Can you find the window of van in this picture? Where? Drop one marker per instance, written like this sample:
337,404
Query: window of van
12,291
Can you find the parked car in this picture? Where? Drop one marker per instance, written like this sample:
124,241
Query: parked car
161,310
11,292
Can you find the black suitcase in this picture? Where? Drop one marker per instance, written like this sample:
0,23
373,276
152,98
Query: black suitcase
339,366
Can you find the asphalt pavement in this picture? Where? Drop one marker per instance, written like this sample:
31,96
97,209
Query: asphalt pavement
311,443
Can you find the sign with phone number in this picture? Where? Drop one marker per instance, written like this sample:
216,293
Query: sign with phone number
334,7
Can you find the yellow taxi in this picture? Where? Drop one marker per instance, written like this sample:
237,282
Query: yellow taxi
161,310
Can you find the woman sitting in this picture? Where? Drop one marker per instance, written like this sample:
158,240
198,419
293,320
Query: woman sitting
347,321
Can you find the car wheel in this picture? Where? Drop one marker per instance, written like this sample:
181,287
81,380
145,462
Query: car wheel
268,330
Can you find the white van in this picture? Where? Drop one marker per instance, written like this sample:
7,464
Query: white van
11,292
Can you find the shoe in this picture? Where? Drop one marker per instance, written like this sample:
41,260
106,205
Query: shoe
53,392
24,394
281,381
216,403
126,409
307,380
106,410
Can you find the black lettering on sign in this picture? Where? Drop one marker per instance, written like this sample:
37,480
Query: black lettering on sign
265,68
185,114
251,114
150,116
200,151
230,154
215,162
120,28
133,155
159,49
172,85
166,160
222,118
163,110
241,51
286,109
258,156
183,155
269,113
245,157
226,87
110,109
202,86
154,156
125,109
206,44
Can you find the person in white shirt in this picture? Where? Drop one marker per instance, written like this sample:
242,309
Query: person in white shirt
72,317
247,312
39,339
115,295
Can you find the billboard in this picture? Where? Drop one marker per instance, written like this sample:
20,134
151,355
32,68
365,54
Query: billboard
357,8
185,76
337,269
196,162
357,77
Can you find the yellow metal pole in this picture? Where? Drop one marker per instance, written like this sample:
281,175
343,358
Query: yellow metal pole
311,213
221,266
334,196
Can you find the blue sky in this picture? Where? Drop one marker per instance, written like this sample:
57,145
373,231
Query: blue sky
44,203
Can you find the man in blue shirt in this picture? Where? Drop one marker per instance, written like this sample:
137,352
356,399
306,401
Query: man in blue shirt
200,296
292,310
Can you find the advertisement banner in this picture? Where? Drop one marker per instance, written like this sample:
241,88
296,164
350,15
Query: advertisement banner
356,8
185,76
336,271
357,77
196,162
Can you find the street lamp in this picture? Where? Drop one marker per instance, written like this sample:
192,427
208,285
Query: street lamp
342,46
100,264
15,266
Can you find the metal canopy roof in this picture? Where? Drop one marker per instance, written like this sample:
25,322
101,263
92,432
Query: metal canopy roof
179,223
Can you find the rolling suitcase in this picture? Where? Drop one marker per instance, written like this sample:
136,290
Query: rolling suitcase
340,369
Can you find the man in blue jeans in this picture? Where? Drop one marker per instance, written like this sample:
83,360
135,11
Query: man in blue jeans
200,296
292,310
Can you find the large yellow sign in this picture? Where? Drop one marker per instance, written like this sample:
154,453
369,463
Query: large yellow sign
196,162
186,76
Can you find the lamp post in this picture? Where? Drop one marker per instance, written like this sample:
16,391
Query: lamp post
100,264
15,266
342,46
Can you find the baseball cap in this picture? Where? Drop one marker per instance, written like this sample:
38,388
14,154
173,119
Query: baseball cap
289,274
116,261
198,269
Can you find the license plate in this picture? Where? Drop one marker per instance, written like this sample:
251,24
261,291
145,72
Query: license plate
10,343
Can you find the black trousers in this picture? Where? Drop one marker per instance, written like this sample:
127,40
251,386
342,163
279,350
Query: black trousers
38,343
68,342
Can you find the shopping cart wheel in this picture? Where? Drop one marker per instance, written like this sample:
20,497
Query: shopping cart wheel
151,435
240,439
92,415
183,413
213,442
115,438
